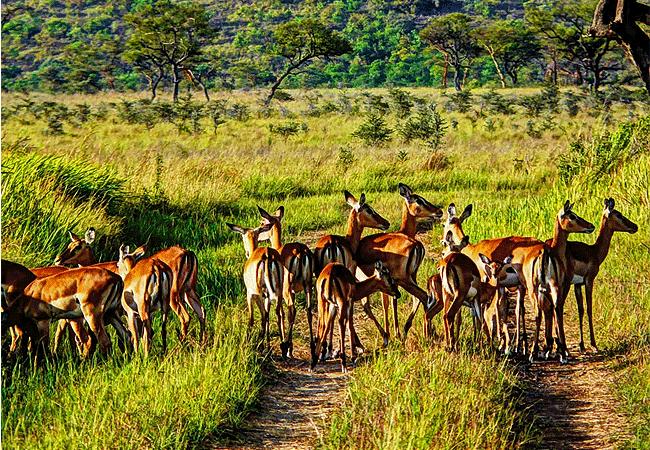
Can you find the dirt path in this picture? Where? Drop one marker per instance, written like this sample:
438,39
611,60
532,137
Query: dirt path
294,403
573,405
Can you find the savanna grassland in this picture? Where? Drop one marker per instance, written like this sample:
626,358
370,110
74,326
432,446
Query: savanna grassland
173,175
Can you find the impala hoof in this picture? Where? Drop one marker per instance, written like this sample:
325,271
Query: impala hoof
286,349
564,359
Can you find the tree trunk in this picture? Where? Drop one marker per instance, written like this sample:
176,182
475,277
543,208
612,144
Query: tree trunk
154,85
177,82
496,66
617,19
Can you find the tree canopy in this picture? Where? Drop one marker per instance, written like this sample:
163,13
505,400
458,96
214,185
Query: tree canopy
301,41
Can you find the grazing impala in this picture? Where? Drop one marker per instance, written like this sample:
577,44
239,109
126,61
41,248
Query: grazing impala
183,263
86,292
343,249
298,263
401,253
264,279
586,260
147,283
337,290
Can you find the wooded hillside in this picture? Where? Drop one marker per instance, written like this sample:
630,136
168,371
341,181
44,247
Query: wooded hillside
88,45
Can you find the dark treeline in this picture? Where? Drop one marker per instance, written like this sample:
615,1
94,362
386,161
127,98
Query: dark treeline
125,45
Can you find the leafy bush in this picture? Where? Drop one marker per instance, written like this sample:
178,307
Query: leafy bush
346,158
605,154
374,130
459,101
287,129
428,125
402,102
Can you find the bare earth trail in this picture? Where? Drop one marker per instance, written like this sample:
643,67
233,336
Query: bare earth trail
574,405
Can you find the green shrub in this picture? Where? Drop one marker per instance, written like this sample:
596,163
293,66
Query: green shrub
374,130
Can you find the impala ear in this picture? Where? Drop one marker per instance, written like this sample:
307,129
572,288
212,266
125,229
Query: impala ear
508,259
464,242
236,228
567,207
264,214
90,235
405,191
350,199
279,213
73,237
124,250
362,200
609,205
140,251
449,239
466,213
484,259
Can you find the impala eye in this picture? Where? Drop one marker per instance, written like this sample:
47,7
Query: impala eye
572,216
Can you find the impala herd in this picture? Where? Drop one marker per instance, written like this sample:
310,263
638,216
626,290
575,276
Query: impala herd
347,269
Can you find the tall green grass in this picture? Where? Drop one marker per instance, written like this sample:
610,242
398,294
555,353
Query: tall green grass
158,186
429,398
167,401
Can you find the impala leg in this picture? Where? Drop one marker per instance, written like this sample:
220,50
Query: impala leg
123,339
61,328
16,334
81,337
178,307
96,324
589,287
286,346
193,300
133,328
398,334
538,324
345,310
385,299
577,288
421,295
308,299
548,332
383,332
355,343
559,320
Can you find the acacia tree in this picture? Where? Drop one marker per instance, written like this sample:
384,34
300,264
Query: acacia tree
168,38
510,45
300,42
451,35
617,19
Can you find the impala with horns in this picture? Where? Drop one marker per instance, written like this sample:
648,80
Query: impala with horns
299,262
264,279
401,253
337,290
147,283
182,262
343,249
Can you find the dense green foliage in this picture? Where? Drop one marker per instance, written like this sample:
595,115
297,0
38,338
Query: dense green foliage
88,46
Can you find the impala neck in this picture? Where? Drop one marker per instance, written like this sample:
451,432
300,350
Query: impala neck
409,222
603,241
560,238
365,288
353,234
276,236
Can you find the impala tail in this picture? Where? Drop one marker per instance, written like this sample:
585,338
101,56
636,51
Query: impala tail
272,271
